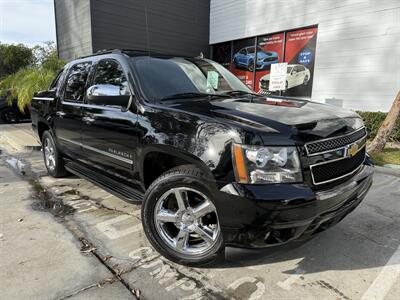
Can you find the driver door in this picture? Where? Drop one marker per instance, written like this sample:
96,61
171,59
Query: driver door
109,137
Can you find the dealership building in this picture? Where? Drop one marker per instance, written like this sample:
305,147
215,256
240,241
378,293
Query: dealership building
345,52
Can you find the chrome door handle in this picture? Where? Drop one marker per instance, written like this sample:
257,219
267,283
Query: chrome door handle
60,114
88,120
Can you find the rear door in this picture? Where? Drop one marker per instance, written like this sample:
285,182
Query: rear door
68,121
109,137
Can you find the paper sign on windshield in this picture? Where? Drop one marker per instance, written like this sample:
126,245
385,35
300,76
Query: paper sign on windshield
277,79
212,79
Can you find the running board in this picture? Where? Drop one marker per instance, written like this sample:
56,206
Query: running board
112,186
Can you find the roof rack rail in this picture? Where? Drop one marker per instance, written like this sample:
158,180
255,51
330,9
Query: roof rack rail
110,51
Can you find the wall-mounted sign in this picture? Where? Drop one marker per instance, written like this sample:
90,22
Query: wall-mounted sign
272,48
252,63
299,54
243,60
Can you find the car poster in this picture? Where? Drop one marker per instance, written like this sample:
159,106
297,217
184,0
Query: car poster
300,55
270,51
253,64
243,60
222,54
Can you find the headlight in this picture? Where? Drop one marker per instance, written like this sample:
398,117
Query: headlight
260,164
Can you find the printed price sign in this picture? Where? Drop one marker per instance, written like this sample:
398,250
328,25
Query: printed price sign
277,81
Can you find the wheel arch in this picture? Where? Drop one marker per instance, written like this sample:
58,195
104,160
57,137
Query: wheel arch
41,128
156,161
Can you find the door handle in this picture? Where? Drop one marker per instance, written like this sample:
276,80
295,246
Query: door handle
88,120
60,114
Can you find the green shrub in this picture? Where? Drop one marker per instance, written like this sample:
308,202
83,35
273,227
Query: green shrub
373,121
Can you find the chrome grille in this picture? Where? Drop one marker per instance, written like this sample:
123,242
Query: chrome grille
315,148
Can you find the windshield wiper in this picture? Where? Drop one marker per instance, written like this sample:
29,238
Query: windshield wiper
240,93
191,95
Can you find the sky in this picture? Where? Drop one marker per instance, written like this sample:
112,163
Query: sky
30,22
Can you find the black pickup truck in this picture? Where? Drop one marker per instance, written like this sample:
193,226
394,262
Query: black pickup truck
214,164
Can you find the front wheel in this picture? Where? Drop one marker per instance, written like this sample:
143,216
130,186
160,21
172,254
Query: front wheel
52,156
180,219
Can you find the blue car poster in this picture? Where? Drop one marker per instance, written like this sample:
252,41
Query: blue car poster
243,60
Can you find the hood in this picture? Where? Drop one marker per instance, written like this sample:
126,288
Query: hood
305,119
262,55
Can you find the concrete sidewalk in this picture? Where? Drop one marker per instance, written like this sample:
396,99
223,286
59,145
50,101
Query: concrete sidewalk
39,257
19,136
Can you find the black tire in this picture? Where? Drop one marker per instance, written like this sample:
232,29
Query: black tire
59,164
10,115
187,176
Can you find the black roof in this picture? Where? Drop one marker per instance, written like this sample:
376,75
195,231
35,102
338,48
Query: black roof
131,52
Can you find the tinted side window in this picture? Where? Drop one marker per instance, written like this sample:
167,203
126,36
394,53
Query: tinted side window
110,72
76,81
55,85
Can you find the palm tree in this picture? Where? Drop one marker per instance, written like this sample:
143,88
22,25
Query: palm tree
26,81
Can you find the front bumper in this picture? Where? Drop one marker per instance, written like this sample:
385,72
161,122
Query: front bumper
262,216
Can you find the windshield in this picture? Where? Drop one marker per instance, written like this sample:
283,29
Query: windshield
289,69
161,78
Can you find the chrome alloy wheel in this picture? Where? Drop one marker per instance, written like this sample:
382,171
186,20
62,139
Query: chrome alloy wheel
49,155
187,221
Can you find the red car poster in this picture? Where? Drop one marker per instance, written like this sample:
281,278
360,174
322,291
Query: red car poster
269,51
300,55
243,60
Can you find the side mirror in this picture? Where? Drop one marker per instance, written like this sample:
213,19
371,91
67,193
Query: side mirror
107,94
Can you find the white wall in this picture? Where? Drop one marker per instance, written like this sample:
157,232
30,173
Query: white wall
358,43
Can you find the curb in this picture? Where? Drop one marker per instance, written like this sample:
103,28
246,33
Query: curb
18,145
387,171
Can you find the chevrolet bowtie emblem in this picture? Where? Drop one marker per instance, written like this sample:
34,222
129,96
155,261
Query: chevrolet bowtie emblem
352,150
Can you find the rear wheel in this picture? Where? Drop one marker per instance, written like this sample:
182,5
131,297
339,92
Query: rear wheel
305,81
180,219
53,160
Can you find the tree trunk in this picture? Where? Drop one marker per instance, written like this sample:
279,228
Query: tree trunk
378,144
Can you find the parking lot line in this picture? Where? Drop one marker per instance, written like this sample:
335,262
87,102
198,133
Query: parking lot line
385,280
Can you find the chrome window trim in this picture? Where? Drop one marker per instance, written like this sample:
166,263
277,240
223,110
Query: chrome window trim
43,98
125,160
333,138
85,105
333,160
